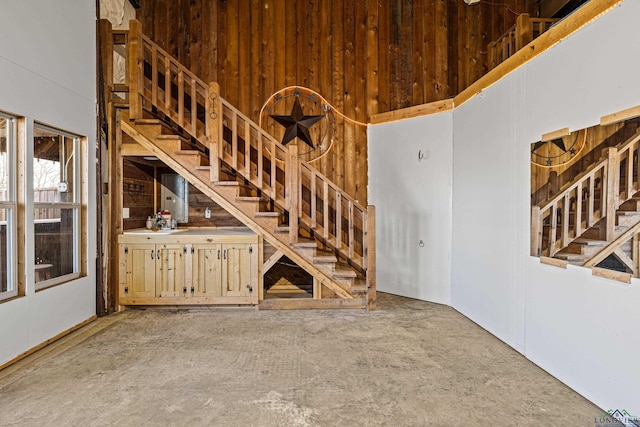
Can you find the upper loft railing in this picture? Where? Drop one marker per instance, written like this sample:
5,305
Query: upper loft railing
158,83
525,30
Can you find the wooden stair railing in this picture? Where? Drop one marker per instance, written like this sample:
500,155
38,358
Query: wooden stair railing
592,196
525,30
159,83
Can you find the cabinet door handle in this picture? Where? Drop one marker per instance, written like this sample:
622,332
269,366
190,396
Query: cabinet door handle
225,254
158,254
151,253
218,253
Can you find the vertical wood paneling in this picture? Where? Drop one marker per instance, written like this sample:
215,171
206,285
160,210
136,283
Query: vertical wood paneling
418,84
244,59
365,56
383,56
338,77
349,94
256,57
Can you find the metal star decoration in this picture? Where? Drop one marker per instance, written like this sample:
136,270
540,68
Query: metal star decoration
559,142
297,124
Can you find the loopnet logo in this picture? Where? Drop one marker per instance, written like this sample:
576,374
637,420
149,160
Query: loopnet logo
615,418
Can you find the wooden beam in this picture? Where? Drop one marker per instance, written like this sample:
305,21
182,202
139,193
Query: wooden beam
371,257
555,134
611,274
273,259
310,304
415,111
553,261
620,116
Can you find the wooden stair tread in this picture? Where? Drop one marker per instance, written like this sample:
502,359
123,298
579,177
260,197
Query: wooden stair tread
305,243
324,259
248,199
227,183
345,273
589,242
281,229
203,168
147,122
267,214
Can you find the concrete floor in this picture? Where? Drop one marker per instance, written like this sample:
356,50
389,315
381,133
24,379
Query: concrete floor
410,363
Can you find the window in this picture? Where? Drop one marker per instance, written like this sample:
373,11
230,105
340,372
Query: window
8,284
57,207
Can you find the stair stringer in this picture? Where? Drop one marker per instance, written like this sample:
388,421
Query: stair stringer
205,186
610,248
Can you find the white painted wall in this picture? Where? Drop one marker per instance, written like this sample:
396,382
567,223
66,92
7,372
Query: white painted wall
48,74
581,329
413,204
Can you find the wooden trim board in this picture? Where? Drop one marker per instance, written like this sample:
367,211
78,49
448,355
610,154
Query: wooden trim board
612,275
45,343
620,116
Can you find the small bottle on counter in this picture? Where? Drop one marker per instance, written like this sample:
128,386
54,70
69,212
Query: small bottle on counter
149,223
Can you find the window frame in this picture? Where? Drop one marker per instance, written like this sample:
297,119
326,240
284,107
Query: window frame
10,205
75,205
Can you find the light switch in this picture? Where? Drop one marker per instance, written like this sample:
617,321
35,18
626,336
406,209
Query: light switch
125,213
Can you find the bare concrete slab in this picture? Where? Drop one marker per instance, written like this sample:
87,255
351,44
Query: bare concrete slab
410,363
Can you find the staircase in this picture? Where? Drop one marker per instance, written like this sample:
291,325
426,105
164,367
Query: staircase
186,124
596,215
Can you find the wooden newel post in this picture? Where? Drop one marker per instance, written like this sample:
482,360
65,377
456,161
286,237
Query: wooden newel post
214,129
294,191
371,257
133,66
524,31
536,231
612,183
106,56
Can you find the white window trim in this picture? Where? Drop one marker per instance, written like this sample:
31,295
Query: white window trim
76,205
11,206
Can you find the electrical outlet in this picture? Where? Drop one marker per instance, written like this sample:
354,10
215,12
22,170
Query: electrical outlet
207,213
125,213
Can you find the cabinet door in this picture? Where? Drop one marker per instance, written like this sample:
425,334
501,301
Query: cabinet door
140,270
206,270
170,263
236,270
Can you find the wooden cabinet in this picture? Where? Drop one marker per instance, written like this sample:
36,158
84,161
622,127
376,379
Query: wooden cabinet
222,270
191,268
153,270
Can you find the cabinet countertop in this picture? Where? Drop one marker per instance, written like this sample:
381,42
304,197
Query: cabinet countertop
188,235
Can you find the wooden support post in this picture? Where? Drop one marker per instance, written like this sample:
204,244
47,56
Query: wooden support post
106,56
213,113
612,182
133,52
371,257
491,56
524,31
317,289
536,231
293,193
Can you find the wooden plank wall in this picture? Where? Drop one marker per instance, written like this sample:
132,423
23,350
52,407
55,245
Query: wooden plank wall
365,56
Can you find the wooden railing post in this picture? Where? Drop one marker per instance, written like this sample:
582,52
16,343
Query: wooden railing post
106,56
612,181
524,31
134,68
536,231
293,193
214,124
371,256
